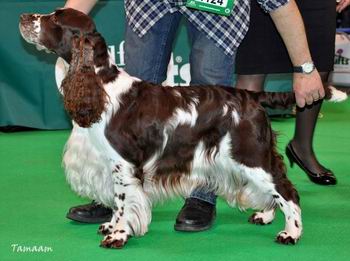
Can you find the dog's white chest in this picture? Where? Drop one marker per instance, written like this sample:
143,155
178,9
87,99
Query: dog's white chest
88,167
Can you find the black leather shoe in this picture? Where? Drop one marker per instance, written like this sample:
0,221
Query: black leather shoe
90,213
195,215
325,177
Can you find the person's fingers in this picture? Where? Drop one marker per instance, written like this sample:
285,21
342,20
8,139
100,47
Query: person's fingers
321,93
300,102
342,5
315,96
338,6
309,100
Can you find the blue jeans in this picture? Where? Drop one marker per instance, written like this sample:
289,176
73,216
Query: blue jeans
147,58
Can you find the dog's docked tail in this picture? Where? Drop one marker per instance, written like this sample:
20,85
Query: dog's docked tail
285,100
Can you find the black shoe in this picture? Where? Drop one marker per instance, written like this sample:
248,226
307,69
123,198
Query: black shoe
90,213
195,215
325,177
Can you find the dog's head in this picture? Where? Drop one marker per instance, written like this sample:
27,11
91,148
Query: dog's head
72,35
54,32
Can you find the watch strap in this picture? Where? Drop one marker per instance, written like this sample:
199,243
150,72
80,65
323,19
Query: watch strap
306,68
298,69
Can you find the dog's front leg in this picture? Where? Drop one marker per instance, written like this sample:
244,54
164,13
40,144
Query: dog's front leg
132,209
108,227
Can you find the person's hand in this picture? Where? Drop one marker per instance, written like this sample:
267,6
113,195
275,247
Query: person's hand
308,88
342,4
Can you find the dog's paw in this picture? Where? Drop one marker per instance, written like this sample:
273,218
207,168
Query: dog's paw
112,243
261,218
115,240
105,228
285,238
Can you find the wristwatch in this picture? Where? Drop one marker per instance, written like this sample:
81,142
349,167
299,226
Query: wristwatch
306,68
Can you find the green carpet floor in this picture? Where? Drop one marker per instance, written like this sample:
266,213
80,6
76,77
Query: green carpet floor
35,197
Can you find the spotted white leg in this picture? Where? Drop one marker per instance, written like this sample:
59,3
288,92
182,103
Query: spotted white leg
107,227
132,209
293,229
263,217
291,211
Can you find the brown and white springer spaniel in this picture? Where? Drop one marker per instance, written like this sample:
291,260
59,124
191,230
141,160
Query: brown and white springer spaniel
134,143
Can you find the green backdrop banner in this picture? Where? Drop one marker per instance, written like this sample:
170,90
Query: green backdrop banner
28,91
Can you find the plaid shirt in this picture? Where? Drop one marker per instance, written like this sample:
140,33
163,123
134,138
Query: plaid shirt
226,32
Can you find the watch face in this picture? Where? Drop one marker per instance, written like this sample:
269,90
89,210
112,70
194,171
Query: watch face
308,67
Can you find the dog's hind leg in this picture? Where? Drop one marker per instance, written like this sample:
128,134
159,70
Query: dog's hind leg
270,194
263,217
132,209
255,158
288,201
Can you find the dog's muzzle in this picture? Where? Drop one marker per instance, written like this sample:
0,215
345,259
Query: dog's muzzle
29,26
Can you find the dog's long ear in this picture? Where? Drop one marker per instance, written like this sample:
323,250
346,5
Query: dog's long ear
107,71
101,57
84,96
